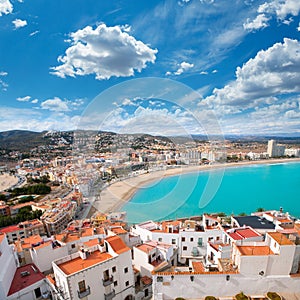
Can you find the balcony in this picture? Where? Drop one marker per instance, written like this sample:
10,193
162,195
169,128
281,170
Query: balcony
84,293
110,295
108,280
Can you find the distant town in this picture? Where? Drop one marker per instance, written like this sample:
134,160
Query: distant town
55,244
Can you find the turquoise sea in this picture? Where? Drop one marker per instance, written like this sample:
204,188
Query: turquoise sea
232,190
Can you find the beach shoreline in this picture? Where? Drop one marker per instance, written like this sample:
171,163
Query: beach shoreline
117,194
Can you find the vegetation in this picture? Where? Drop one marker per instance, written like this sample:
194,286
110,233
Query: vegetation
26,199
2,197
210,298
241,296
260,209
38,189
24,214
273,296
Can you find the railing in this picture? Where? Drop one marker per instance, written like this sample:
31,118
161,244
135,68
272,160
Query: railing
110,295
84,293
107,281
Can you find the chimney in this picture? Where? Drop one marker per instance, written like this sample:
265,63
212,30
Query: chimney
82,253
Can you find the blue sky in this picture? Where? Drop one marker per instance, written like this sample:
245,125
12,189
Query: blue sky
242,57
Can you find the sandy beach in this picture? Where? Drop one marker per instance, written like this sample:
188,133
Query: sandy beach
6,181
113,197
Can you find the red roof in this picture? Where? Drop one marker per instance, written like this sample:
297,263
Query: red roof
10,229
19,283
243,233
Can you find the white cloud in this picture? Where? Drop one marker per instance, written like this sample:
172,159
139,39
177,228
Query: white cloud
281,8
261,21
55,104
3,73
105,52
19,23
203,73
24,99
34,33
271,72
5,7
34,101
298,28
36,120
3,85
184,66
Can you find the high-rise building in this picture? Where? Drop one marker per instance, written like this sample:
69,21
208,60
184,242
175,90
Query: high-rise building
275,150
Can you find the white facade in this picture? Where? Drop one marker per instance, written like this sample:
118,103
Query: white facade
43,255
111,276
8,264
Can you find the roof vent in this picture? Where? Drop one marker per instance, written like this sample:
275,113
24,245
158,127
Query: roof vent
25,273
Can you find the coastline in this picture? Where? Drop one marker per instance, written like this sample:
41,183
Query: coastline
114,196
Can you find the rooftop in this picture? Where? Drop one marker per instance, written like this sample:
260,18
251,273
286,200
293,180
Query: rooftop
77,264
11,228
117,244
255,250
255,222
21,282
243,233
280,238
198,267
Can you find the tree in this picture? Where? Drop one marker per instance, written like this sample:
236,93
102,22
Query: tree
260,209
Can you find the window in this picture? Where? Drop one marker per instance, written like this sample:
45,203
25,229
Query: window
183,239
200,242
114,269
153,255
160,239
146,292
127,283
81,286
126,270
210,239
37,293
191,239
73,246
218,238
184,248
115,283
173,242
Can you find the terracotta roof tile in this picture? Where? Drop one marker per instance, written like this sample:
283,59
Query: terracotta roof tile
280,238
78,264
19,283
117,244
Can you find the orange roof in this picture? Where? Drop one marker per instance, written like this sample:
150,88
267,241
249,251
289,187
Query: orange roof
255,250
69,237
32,240
198,267
91,243
146,248
118,230
117,244
280,238
2,236
78,264
285,220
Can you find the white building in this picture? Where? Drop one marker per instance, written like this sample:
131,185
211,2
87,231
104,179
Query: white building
97,272
151,256
275,150
24,283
